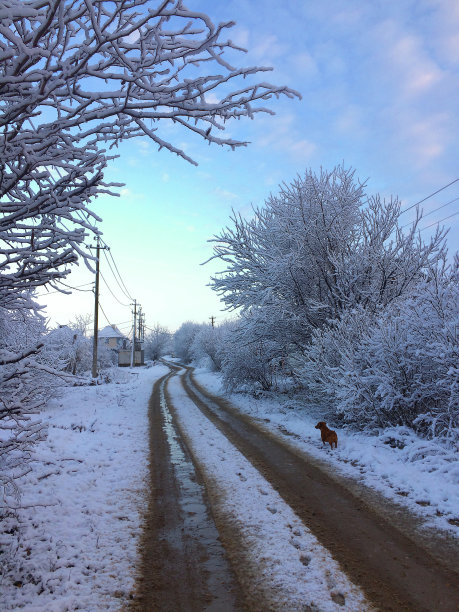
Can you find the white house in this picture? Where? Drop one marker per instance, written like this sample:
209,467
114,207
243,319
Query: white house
113,338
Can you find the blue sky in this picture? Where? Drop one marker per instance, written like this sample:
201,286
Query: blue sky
379,82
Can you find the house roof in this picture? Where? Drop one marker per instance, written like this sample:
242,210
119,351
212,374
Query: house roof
110,331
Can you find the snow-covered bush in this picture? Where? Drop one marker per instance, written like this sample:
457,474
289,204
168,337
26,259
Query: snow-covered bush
183,340
323,276
157,342
246,365
397,367
206,347
68,346
26,384
106,357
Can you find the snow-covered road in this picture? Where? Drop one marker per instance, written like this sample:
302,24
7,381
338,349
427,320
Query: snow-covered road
279,562
74,542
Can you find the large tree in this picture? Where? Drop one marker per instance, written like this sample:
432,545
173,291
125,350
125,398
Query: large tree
319,247
77,76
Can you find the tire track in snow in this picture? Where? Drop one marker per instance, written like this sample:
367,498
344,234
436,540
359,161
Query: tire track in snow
279,563
395,573
184,566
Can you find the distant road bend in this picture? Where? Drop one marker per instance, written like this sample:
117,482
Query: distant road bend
184,565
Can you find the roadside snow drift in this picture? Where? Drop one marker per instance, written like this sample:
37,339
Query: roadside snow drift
73,544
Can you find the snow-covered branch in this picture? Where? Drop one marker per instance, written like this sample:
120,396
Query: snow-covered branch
79,75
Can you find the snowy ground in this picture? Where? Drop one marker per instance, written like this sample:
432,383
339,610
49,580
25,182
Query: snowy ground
75,545
416,473
283,563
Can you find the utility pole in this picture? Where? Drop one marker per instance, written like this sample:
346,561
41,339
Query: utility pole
212,320
142,327
96,311
133,334
140,324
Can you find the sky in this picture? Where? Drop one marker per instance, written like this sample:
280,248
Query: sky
379,83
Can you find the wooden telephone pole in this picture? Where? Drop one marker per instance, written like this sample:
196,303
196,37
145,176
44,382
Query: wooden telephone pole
133,334
139,333
96,311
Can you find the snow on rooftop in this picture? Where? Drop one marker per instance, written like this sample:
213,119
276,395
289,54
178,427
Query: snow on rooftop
110,331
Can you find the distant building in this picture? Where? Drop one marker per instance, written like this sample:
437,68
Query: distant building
124,357
113,338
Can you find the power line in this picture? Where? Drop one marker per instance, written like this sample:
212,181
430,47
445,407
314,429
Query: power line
84,285
438,222
429,196
120,277
433,211
103,312
108,287
122,286
77,288
128,295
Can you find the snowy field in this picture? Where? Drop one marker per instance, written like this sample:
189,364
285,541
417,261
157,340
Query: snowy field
283,563
419,474
75,545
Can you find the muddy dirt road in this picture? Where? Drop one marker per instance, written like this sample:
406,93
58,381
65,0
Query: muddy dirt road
185,567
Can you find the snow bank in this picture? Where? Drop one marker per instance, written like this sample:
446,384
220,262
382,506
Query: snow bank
73,544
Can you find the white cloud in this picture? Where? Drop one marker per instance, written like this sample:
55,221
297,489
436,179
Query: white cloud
267,48
403,60
285,134
305,64
240,37
224,194
427,138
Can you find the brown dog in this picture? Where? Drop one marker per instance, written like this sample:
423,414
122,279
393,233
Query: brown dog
327,435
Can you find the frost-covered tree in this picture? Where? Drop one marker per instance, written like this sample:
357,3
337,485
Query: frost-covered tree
206,347
70,347
183,340
318,248
157,342
83,324
26,383
77,76
323,275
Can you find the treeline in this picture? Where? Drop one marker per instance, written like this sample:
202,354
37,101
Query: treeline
337,297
